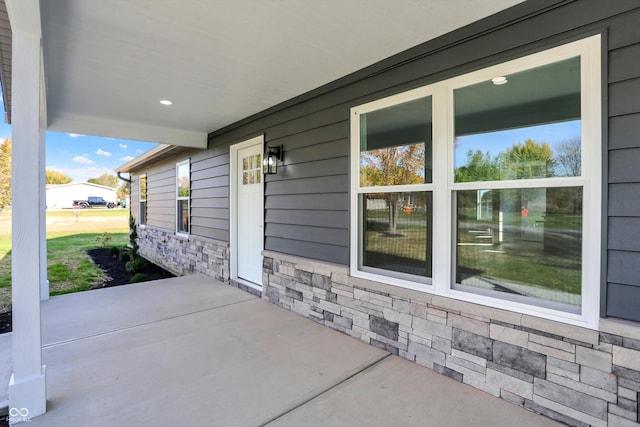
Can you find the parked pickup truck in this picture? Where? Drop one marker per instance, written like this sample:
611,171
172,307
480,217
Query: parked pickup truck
93,202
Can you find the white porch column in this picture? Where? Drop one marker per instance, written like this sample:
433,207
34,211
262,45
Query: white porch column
27,389
44,281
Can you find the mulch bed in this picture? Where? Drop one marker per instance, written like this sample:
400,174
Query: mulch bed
5,322
115,273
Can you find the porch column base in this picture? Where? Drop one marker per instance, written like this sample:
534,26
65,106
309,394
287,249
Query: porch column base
27,397
44,289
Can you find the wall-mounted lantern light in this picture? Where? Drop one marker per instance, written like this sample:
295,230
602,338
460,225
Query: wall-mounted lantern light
270,160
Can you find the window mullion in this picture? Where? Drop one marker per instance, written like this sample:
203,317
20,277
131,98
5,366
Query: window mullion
521,183
442,214
396,188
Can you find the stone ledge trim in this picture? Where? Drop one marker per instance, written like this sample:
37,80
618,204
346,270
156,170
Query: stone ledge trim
312,265
621,327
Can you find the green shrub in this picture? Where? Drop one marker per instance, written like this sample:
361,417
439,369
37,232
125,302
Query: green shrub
114,251
125,256
139,277
134,265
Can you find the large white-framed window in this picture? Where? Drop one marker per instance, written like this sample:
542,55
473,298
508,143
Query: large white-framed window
183,195
487,187
142,213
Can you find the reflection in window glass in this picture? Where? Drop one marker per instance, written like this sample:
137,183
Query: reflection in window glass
183,180
143,187
183,183
526,243
183,216
528,127
252,170
143,200
395,145
397,232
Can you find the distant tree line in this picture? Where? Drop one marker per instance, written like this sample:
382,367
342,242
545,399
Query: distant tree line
529,159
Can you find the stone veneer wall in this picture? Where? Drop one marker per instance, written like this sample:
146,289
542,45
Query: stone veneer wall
184,255
574,375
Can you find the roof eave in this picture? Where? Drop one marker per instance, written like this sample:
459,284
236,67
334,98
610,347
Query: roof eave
157,153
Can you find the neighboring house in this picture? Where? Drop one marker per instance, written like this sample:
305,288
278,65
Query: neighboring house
63,195
502,282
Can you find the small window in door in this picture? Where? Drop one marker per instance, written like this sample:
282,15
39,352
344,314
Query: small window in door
252,169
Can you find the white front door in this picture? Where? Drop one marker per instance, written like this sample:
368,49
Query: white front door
249,213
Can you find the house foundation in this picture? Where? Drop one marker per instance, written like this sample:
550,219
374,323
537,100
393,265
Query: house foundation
184,255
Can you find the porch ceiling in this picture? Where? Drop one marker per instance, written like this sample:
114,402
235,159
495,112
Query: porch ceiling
108,63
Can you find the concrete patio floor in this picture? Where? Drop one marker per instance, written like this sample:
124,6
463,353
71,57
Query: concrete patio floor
194,352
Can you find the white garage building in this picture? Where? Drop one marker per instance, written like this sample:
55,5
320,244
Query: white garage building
62,196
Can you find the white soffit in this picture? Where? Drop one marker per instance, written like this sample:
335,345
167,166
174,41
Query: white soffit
108,63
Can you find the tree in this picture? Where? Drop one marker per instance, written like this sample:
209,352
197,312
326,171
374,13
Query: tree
569,163
393,166
55,177
527,160
568,157
106,180
479,167
123,190
5,173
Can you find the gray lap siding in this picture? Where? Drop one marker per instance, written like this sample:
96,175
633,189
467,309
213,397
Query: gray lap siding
210,193
161,199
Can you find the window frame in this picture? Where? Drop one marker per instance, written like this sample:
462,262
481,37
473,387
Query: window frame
444,188
356,205
179,198
141,201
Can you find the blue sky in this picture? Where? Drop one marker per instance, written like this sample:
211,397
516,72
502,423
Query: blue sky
82,157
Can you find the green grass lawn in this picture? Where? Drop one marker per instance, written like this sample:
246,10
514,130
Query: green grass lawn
524,264
553,262
69,269
68,266
544,256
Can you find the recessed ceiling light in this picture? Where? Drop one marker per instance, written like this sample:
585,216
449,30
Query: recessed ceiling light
502,80
165,102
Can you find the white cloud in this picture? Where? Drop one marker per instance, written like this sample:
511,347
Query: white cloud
123,145
138,151
101,152
75,135
83,160
126,158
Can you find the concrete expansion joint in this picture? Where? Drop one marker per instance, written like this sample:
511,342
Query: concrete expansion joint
314,395
139,325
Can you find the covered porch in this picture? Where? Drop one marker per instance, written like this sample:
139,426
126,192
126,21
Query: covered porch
112,68
194,351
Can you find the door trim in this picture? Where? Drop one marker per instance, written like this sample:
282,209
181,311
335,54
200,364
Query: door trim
233,207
